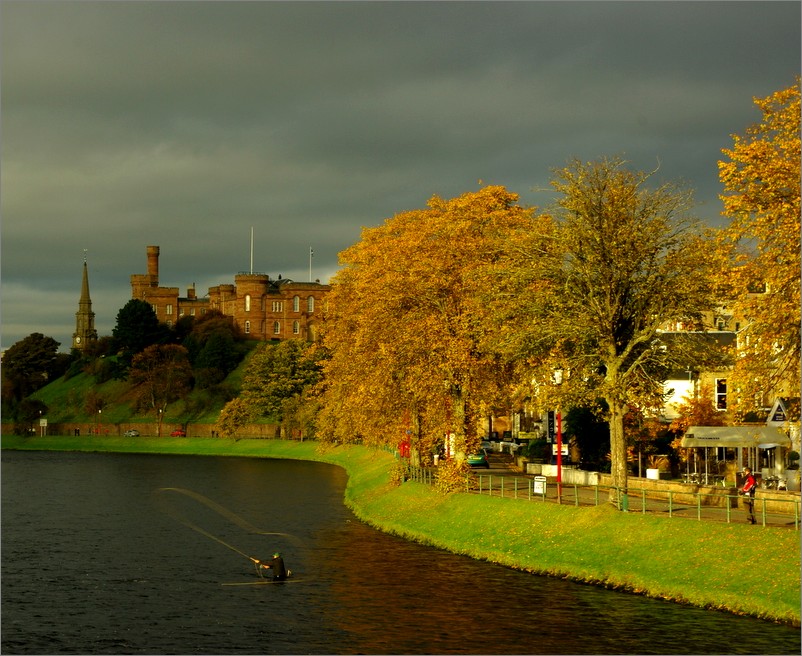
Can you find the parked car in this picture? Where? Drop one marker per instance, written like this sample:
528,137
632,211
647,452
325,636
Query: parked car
479,459
487,446
178,432
131,433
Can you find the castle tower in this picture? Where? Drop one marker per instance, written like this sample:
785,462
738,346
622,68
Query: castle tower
84,318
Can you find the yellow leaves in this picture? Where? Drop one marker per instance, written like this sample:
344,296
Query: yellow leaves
410,291
761,179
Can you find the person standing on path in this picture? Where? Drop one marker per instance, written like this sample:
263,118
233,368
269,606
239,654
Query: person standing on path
748,490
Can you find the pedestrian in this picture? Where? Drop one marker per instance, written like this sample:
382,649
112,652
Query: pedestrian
280,572
748,491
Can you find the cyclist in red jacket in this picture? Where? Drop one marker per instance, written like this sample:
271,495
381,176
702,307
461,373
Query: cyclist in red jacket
748,490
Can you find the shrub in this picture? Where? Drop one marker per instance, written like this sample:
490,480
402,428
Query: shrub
452,476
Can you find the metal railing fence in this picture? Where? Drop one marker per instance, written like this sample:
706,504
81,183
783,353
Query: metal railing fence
769,511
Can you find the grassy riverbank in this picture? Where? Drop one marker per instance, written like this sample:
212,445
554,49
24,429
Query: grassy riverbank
734,567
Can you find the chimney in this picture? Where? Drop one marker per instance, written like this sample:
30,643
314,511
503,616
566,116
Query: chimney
191,292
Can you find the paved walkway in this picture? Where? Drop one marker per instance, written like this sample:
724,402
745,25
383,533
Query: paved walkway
503,478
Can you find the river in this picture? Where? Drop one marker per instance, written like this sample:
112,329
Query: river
136,554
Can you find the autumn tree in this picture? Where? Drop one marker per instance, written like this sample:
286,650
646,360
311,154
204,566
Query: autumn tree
162,374
761,178
623,262
235,413
278,383
406,326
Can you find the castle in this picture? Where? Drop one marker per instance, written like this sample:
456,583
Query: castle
263,308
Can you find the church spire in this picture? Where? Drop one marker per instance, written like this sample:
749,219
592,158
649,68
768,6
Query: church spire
84,318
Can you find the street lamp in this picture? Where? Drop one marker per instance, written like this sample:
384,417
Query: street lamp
558,379
97,429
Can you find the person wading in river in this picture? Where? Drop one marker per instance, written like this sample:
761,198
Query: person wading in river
277,565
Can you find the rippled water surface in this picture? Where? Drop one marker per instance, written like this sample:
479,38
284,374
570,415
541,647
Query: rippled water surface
95,560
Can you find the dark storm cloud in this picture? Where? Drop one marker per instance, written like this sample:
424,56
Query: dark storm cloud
185,124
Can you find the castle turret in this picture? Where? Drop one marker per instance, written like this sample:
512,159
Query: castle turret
153,265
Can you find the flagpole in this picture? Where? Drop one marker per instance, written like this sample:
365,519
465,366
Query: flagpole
311,253
251,249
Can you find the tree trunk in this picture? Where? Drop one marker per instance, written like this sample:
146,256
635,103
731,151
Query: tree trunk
618,453
458,418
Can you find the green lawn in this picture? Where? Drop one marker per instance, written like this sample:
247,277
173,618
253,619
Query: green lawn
66,400
734,567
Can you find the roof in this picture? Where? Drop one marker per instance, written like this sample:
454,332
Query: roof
784,409
734,436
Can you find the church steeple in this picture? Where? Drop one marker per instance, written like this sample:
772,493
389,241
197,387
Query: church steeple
84,318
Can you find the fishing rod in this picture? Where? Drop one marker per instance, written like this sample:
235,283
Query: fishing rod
232,517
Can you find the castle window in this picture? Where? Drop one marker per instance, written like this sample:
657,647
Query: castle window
296,304
168,309
296,328
721,393
247,327
310,304
192,312
276,328
247,302
278,306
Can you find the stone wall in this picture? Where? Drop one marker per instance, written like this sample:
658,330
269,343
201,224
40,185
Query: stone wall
258,431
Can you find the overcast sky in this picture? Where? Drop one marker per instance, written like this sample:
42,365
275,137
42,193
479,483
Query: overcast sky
185,124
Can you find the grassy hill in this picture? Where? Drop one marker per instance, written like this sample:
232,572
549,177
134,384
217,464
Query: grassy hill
66,399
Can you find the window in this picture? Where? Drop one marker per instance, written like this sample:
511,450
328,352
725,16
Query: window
192,312
247,327
247,302
310,304
168,309
296,304
276,328
278,306
721,393
296,328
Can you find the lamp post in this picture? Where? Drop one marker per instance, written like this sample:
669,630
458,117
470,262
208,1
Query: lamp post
558,379
97,427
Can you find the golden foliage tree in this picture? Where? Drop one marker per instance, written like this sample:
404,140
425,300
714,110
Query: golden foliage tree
406,326
623,262
761,178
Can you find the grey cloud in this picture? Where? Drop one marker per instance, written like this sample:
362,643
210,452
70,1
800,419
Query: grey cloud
183,124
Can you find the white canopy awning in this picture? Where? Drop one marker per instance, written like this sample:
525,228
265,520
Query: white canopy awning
735,436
